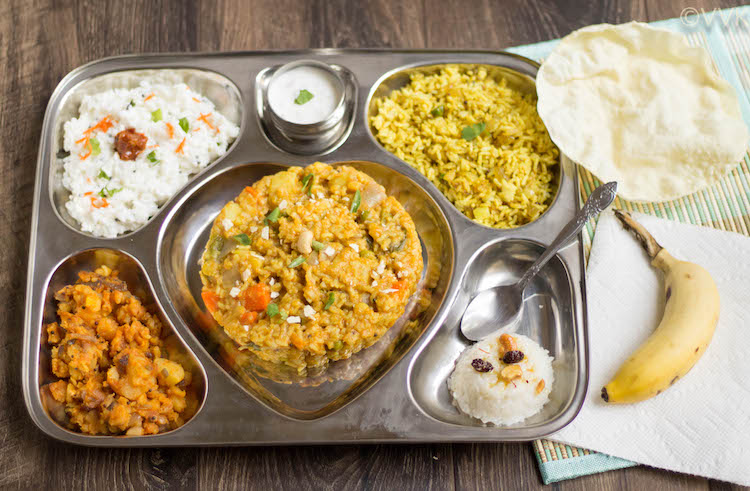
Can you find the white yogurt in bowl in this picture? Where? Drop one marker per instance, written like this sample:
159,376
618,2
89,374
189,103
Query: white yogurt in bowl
305,93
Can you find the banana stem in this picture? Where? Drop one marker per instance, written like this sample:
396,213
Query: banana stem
646,239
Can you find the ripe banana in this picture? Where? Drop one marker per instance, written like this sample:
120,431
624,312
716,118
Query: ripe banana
691,313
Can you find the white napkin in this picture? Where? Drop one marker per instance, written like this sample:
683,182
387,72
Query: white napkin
701,425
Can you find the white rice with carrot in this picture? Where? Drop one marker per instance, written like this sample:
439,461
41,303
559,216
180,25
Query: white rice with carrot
502,379
130,150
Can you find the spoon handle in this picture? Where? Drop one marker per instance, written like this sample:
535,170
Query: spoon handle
601,198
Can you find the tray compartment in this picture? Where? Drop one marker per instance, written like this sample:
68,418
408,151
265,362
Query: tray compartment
217,88
182,242
520,78
138,284
547,319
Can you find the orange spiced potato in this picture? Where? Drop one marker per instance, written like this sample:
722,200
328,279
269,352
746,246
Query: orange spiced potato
109,354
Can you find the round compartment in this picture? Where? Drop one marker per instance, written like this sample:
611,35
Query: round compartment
294,127
305,99
519,75
174,348
549,318
181,244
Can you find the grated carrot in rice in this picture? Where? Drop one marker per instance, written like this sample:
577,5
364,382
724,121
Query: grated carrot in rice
179,147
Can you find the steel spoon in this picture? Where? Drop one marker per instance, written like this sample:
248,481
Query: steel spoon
501,306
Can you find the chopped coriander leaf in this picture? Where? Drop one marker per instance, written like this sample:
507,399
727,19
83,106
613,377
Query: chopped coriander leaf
152,157
307,183
356,201
273,215
108,193
95,148
304,97
156,116
272,310
103,175
297,262
184,125
283,314
241,239
438,111
472,131
329,302
318,246
132,104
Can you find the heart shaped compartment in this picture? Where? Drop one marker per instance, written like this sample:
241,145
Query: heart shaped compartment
181,244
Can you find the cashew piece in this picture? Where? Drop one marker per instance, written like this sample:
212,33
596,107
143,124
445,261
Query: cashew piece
304,242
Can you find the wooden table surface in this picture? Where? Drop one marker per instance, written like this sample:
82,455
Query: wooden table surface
42,40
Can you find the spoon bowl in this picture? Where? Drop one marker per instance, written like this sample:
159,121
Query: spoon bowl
501,307
498,306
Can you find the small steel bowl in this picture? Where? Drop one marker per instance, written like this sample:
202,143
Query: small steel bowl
322,130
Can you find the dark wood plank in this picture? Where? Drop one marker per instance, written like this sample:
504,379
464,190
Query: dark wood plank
334,468
382,24
257,24
489,466
42,40
26,80
639,477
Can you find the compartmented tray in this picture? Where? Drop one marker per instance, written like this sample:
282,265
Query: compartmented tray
394,391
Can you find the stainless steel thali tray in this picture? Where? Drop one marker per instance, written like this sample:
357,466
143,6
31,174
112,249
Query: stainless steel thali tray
394,391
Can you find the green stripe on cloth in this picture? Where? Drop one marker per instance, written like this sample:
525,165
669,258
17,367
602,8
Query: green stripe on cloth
725,206
583,465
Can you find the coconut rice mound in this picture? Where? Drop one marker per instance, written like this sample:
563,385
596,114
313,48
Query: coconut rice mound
491,395
503,178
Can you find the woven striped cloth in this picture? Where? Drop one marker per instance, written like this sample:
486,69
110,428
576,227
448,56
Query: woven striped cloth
725,206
